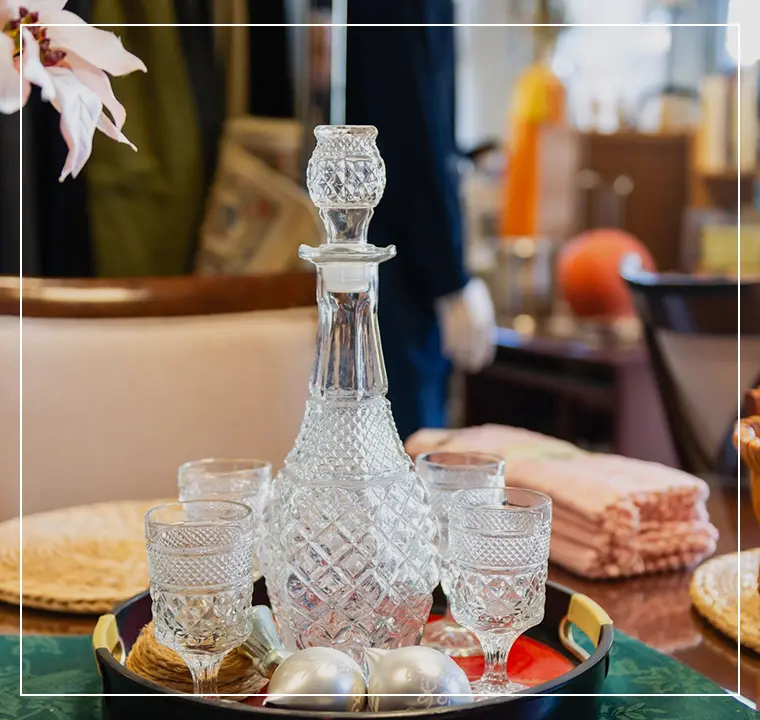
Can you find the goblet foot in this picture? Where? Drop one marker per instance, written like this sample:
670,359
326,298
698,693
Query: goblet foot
450,638
484,687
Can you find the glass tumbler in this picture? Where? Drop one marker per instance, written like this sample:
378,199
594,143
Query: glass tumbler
200,558
444,473
499,550
244,480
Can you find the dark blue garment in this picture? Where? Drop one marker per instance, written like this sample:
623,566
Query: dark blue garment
402,79
271,93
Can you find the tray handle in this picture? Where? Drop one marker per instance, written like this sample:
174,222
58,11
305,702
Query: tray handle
106,637
589,617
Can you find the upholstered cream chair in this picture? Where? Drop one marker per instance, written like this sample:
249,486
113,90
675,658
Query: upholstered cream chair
693,331
125,380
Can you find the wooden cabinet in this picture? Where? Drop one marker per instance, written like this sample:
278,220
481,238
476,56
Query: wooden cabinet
602,398
659,166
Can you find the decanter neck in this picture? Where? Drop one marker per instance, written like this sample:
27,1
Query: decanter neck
349,362
346,225
346,179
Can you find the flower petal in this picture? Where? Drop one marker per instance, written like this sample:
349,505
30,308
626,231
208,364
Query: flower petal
8,11
32,68
100,84
10,89
41,6
80,110
97,47
108,128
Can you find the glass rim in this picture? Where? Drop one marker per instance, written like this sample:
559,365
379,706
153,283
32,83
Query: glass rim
542,500
321,131
489,460
246,465
245,515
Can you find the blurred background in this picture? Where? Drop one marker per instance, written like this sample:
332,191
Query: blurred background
534,158
651,103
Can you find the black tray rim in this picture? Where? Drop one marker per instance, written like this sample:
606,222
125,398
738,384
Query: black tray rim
599,655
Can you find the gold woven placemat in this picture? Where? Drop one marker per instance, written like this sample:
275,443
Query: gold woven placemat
84,559
163,666
714,594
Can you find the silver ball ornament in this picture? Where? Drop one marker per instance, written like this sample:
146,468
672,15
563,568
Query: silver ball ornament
426,676
314,671
332,679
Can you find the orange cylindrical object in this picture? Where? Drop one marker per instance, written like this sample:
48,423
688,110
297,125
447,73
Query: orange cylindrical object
539,100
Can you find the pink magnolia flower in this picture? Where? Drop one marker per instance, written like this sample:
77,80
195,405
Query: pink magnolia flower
70,65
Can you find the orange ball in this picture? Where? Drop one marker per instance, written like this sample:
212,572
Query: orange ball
588,272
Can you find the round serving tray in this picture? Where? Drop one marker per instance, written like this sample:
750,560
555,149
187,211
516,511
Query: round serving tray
569,695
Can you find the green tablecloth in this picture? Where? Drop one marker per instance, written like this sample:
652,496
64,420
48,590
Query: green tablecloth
66,665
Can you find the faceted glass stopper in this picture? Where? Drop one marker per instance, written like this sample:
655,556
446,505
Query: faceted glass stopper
345,169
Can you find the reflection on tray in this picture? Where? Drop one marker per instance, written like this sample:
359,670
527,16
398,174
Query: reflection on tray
657,612
530,663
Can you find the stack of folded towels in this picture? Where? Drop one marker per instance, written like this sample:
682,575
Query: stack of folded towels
612,516
512,444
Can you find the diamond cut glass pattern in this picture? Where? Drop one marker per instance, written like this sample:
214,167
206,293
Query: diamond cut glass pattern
200,563
346,169
499,550
353,558
445,473
202,621
247,481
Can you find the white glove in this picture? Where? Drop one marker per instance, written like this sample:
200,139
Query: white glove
468,326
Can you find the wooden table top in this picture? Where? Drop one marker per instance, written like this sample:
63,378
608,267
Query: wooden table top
655,609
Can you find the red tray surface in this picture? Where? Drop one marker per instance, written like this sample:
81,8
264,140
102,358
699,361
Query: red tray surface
530,663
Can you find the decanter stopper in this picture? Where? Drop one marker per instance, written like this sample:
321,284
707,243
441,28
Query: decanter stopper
346,180
346,170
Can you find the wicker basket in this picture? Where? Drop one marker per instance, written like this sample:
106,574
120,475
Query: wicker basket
747,440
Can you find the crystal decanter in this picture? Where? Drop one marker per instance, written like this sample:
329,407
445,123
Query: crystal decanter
353,541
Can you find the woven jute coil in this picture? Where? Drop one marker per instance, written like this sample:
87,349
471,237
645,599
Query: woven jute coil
83,560
163,666
714,595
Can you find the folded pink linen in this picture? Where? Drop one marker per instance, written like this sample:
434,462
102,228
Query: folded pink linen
612,516
609,488
586,561
616,517
672,545
510,443
426,440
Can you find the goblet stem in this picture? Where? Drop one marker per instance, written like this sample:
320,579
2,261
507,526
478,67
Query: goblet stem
205,671
496,647
447,616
